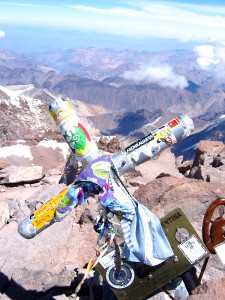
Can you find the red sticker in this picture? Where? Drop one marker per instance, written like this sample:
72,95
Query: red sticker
169,140
173,123
85,131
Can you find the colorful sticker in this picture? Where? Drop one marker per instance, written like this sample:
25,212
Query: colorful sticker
72,130
46,213
61,115
165,134
64,111
78,139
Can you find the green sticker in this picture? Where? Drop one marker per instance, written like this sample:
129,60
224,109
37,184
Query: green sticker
77,137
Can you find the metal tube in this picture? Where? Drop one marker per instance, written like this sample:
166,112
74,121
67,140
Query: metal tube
75,134
149,146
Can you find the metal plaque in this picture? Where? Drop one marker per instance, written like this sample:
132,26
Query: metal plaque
188,250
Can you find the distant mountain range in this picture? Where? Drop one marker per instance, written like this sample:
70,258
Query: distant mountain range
24,115
94,81
106,85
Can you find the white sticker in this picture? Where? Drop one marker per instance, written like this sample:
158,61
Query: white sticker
108,260
220,251
192,249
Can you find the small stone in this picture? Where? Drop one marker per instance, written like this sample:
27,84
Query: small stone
4,213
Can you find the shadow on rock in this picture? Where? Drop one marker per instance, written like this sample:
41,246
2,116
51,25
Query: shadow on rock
15,291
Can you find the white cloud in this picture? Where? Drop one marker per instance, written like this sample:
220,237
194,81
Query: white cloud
25,5
158,19
206,56
2,33
186,38
134,19
114,11
162,74
212,58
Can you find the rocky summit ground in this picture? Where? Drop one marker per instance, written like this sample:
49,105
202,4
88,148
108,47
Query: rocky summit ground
50,265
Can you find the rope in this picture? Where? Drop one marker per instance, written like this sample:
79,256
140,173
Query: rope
92,263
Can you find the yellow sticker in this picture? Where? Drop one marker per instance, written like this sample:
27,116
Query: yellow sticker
46,213
84,151
62,117
42,220
163,134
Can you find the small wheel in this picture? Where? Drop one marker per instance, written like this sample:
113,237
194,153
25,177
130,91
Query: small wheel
213,232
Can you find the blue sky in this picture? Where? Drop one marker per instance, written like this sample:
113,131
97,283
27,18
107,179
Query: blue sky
44,25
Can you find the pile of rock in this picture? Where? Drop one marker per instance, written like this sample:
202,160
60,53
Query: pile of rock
48,266
209,162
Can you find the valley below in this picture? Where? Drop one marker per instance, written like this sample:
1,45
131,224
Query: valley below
117,105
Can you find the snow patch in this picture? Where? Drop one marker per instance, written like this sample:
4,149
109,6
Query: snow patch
194,146
14,99
218,122
152,122
20,89
108,138
15,92
21,141
19,150
33,104
54,144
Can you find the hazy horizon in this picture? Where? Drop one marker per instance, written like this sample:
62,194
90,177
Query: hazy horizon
40,26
